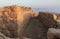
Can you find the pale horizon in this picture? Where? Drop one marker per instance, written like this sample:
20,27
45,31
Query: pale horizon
31,3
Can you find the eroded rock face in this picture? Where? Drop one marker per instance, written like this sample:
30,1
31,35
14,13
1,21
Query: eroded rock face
13,19
17,21
35,30
38,26
47,19
8,23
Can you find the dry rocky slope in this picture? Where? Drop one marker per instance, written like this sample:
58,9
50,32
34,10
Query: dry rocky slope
20,21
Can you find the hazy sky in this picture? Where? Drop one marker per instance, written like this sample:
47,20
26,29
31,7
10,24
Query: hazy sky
37,5
32,3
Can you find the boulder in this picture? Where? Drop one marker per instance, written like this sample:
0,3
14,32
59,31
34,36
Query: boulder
53,33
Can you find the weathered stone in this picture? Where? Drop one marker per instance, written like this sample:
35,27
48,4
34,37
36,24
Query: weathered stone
47,19
17,21
53,33
13,20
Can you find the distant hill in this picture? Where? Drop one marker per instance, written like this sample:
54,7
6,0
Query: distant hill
49,9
